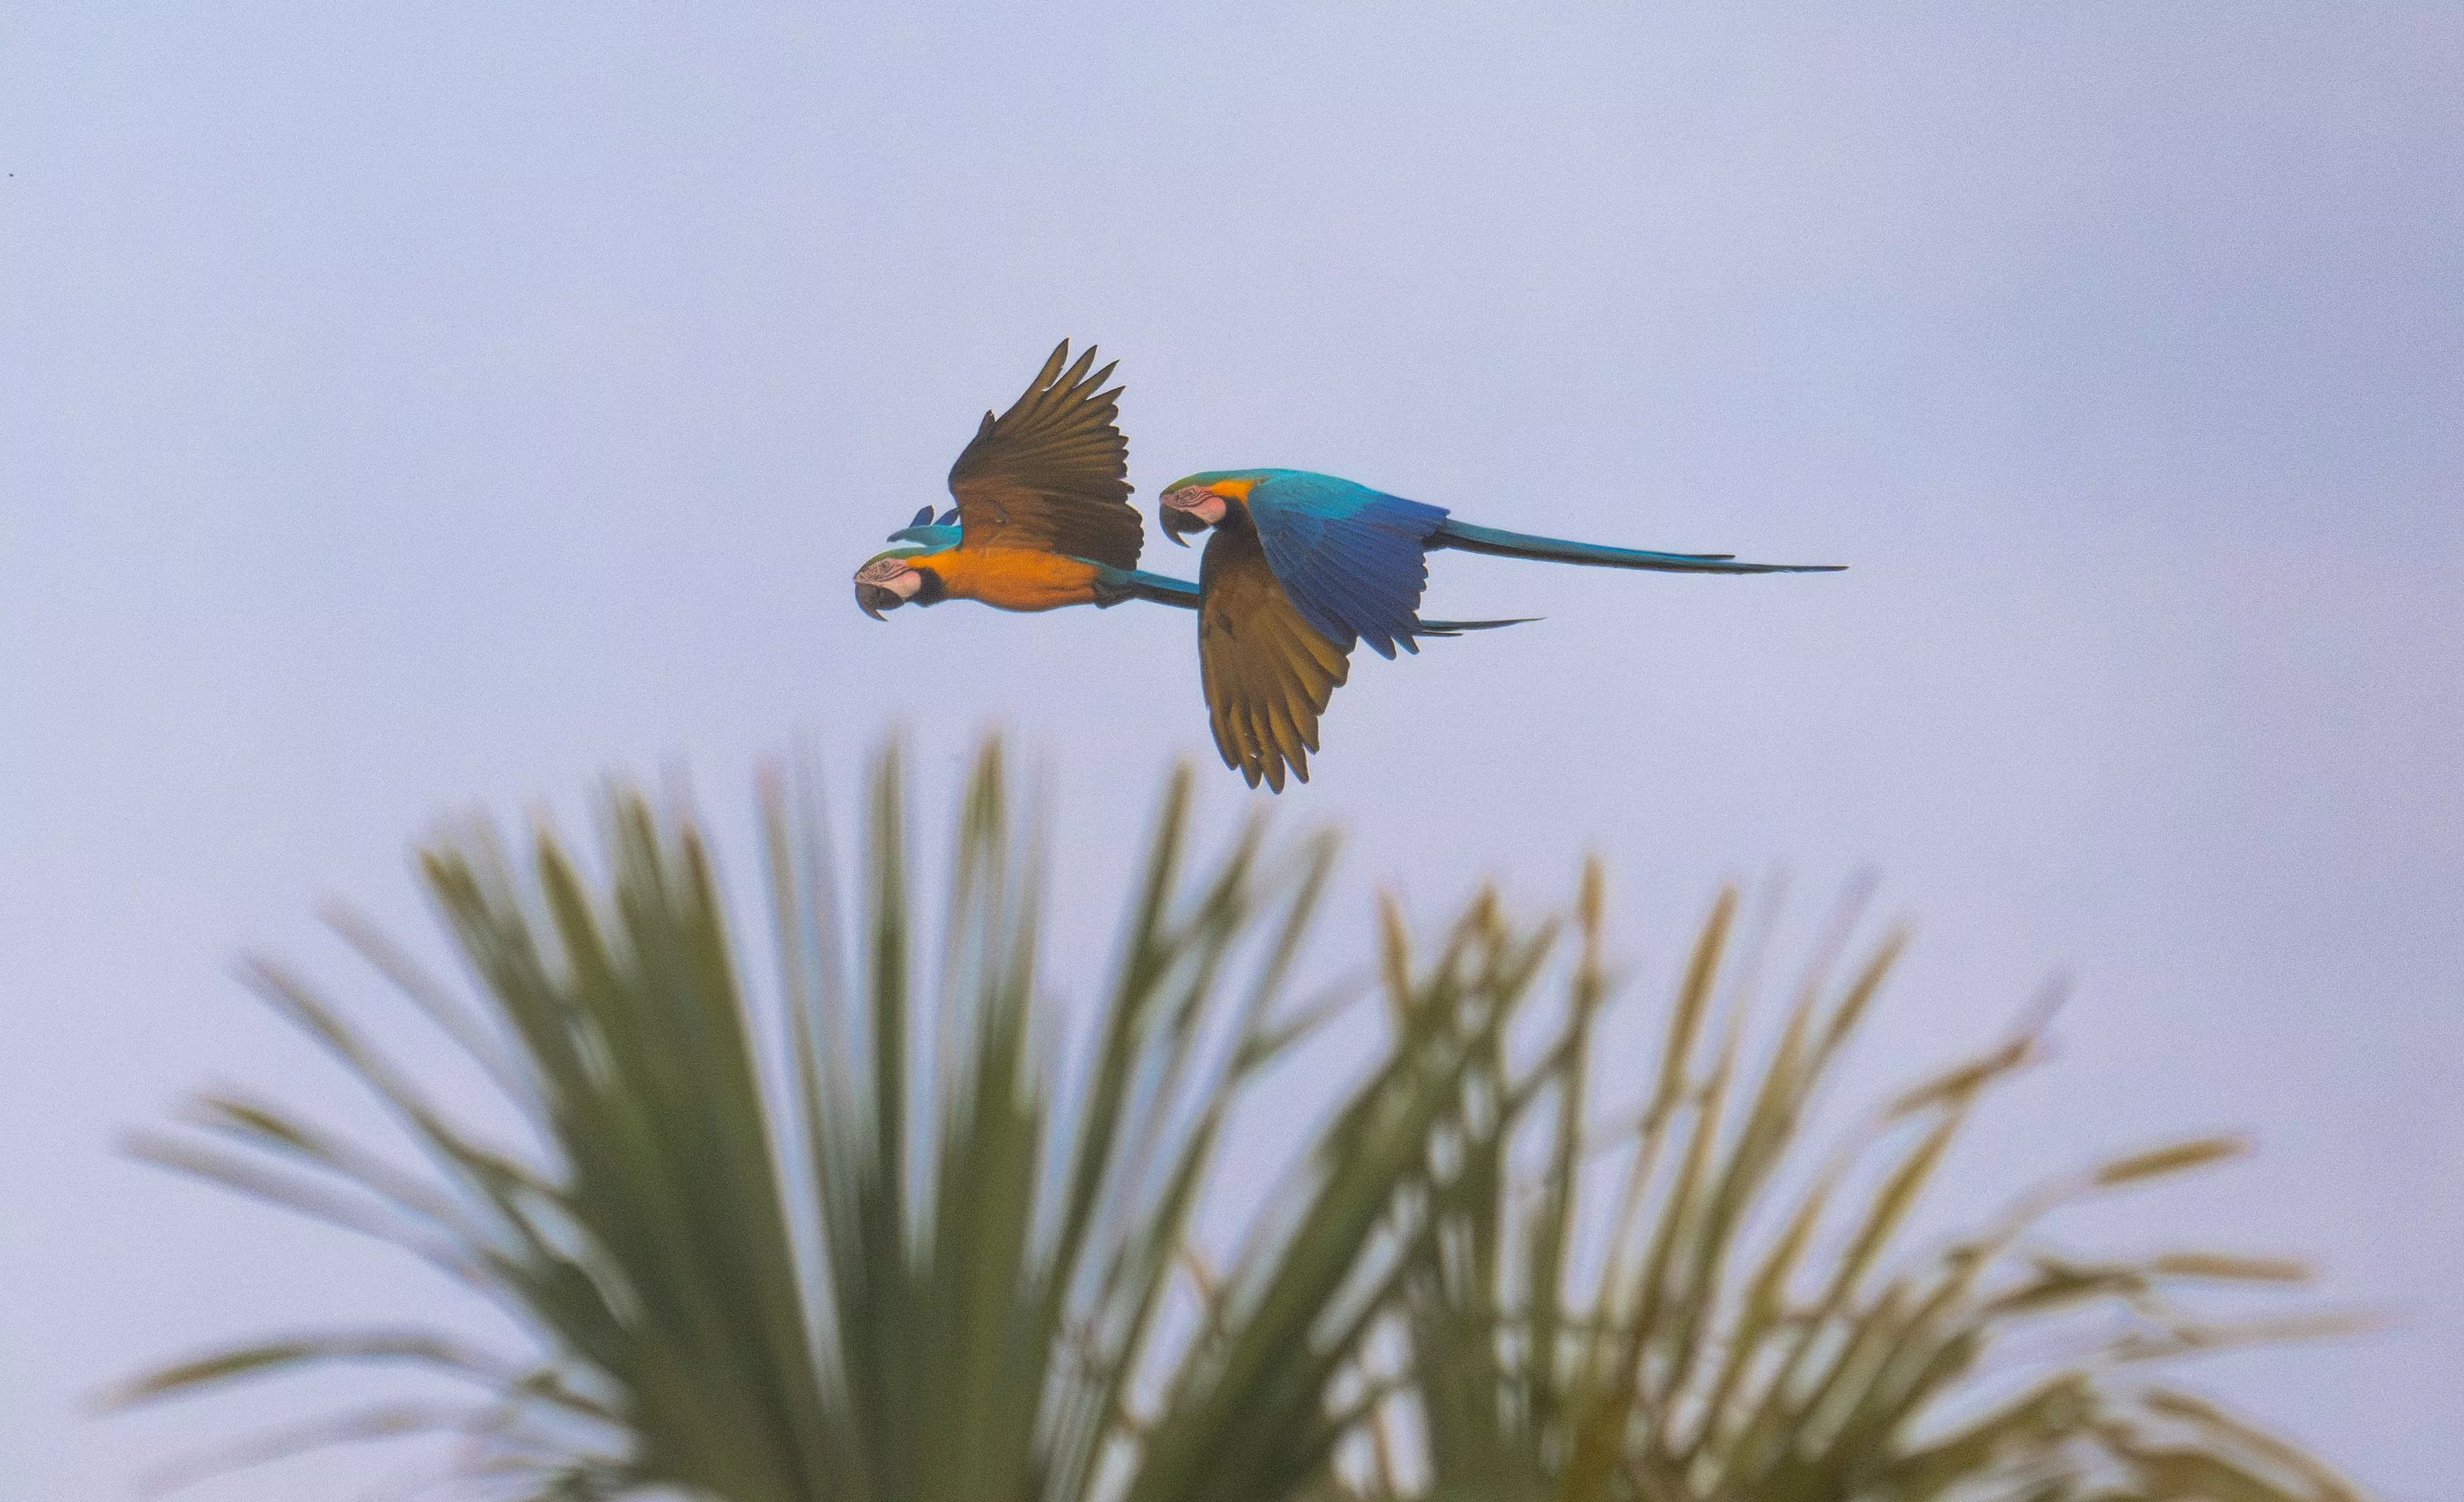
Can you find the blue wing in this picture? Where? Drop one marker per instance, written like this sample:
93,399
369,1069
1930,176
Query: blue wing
1349,557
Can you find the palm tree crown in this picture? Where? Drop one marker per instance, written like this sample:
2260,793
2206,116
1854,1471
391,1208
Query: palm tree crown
898,1245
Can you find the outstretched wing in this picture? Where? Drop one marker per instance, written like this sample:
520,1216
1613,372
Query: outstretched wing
1052,473
1267,672
1349,556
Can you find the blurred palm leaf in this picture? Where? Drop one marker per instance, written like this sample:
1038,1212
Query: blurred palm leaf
1749,1335
894,1246
871,1255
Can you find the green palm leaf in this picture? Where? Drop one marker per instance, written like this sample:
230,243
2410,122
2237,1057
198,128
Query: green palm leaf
1753,1334
889,1242
873,1254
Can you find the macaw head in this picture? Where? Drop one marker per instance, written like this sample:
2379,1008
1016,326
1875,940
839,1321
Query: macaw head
1199,501
927,532
890,579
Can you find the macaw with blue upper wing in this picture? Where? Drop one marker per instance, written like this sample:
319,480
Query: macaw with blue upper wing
1303,566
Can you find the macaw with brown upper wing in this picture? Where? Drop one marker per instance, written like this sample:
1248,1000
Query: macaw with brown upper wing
1043,517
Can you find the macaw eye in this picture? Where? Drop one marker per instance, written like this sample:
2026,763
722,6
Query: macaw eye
880,571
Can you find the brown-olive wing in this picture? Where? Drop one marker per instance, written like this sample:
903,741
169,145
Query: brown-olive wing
1052,473
1267,673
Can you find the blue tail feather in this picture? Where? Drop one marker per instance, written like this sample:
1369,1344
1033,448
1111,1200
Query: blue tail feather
1464,535
1115,585
1458,628
1406,639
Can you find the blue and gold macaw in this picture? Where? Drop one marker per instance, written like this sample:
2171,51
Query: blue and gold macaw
1043,517
1303,566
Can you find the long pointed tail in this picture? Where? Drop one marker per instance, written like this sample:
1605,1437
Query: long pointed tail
1409,642
1114,585
1458,628
1453,534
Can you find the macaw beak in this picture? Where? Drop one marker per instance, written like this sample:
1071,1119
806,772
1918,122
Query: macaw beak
1174,523
872,600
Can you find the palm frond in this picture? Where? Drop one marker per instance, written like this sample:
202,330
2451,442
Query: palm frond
892,1241
1757,1333
873,1253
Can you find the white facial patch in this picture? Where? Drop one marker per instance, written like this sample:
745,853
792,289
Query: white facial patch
1197,501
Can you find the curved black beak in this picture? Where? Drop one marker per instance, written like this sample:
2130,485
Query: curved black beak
1176,522
872,600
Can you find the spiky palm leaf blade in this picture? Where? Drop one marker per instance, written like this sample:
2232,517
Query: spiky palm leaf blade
906,1274
1752,1335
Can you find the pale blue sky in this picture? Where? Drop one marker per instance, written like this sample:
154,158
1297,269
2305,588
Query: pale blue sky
408,408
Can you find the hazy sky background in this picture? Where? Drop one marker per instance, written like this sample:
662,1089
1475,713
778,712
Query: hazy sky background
412,409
